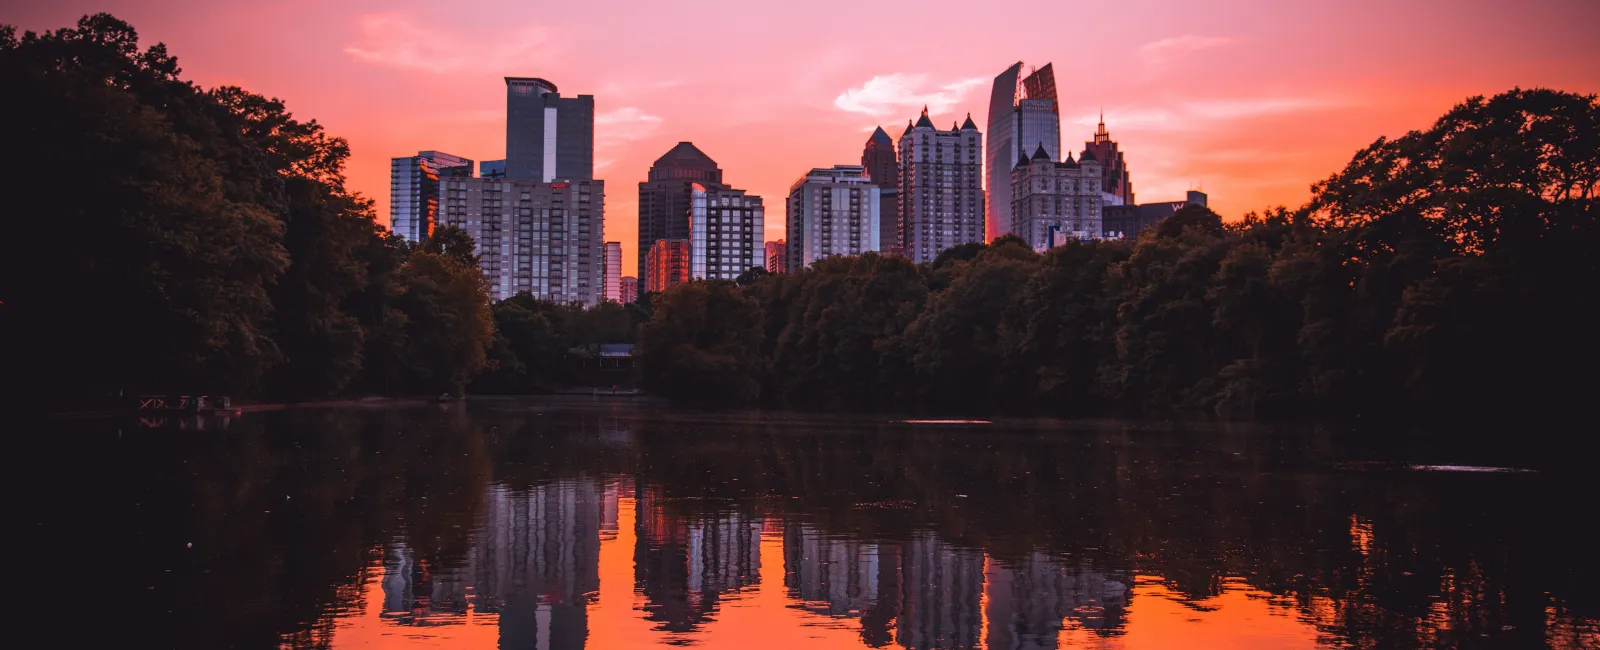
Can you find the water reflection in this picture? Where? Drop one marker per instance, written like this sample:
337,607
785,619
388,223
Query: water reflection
547,525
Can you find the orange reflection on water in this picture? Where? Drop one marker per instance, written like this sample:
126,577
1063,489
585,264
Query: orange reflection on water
766,615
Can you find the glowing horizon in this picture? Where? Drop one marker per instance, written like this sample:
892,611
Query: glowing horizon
1250,101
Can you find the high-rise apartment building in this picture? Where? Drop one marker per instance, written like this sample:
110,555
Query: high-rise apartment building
548,137
1023,116
725,229
941,188
414,190
777,257
667,264
540,238
1052,202
832,211
1115,183
613,279
629,288
883,166
664,198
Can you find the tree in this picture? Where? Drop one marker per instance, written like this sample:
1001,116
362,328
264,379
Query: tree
449,327
702,345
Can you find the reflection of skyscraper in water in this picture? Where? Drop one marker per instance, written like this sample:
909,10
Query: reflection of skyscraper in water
831,576
942,588
840,577
535,564
1028,601
684,566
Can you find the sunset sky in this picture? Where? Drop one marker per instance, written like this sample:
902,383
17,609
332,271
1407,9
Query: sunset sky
1248,100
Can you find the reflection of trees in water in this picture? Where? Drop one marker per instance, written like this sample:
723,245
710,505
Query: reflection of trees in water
285,511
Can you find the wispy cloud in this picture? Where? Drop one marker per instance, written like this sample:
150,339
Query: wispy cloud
1187,114
900,93
393,40
1166,49
613,129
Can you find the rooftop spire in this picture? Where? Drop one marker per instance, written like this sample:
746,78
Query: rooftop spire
924,121
1100,134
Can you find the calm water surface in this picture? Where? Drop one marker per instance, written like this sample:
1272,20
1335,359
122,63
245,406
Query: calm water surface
578,524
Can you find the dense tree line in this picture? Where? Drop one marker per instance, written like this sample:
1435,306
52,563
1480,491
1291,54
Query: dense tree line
170,238
1450,270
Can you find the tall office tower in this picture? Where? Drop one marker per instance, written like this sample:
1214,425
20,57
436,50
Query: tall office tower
664,198
613,279
1022,117
548,137
832,211
414,190
941,188
667,264
884,167
630,289
1116,184
777,257
725,229
539,238
1052,202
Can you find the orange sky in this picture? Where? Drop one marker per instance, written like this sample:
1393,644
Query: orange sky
1250,100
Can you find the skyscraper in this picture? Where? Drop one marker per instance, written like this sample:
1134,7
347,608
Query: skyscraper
664,198
832,211
778,256
548,137
667,264
613,279
941,190
414,190
629,288
539,224
1115,182
725,228
883,166
539,238
1022,117
1052,202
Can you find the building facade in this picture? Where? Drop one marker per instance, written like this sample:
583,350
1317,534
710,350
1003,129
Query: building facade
832,211
1052,202
1023,116
664,198
778,256
667,264
1125,221
941,188
1115,182
548,137
630,289
725,230
540,238
883,166
492,169
613,277
414,190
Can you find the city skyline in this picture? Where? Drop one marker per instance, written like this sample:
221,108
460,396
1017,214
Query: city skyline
1216,97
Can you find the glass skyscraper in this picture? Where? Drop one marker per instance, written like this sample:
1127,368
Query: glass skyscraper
548,137
414,190
1023,116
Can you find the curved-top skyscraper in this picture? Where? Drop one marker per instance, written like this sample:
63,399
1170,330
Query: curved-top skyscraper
1022,117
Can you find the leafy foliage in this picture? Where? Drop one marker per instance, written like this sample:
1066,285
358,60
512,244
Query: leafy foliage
184,239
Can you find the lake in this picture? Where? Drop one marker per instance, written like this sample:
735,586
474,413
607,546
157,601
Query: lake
572,523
